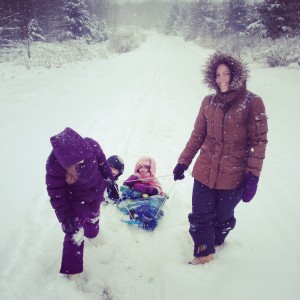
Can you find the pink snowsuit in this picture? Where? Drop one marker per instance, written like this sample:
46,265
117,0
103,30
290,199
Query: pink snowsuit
141,182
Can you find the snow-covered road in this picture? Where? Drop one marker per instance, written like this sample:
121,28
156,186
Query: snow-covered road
144,103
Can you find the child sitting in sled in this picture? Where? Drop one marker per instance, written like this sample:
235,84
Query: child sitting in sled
142,195
143,180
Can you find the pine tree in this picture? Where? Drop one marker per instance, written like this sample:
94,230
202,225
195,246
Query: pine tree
221,20
76,19
236,16
183,21
15,19
99,31
208,25
255,28
172,26
182,18
293,17
274,16
50,17
10,23
35,32
201,22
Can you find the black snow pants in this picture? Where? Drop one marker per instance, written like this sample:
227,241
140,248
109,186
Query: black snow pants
212,216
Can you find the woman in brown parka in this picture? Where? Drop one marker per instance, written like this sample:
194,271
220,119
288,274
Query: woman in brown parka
231,133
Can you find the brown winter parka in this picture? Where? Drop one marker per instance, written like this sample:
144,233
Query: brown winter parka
230,131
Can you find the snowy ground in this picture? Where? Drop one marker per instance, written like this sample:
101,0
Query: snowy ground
143,103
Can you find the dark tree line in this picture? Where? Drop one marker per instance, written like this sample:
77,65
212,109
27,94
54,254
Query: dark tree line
280,17
53,19
269,18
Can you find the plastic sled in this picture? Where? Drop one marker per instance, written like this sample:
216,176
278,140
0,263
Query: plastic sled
143,210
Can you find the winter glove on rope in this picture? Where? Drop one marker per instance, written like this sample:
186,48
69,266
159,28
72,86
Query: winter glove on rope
178,171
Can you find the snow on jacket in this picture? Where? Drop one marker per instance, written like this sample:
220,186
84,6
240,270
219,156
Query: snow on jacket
83,196
230,130
149,179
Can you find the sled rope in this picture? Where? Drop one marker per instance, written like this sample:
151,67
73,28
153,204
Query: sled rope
147,179
122,200
165,199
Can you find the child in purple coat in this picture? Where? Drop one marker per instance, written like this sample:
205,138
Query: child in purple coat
76,177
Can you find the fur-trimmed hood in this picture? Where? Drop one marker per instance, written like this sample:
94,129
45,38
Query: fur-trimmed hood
146,161
150,162
238,69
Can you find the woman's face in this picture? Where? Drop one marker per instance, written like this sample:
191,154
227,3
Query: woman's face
223,77
144,170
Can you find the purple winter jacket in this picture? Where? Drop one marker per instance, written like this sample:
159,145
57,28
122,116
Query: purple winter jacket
82,198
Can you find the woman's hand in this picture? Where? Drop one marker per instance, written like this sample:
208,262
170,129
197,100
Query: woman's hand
251,182
178,171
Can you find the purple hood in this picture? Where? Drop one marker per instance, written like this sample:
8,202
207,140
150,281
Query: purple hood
83,196
69,147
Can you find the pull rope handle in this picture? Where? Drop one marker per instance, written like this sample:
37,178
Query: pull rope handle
169,194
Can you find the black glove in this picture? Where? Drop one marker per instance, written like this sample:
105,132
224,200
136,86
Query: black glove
178,171
113,192
250,182
109,182
70,225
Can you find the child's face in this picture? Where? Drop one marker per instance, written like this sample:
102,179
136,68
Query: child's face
144,169
114,171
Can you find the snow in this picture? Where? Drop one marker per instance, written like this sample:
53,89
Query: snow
143,103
